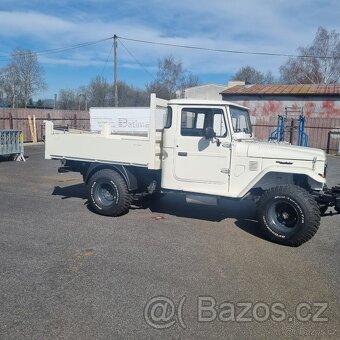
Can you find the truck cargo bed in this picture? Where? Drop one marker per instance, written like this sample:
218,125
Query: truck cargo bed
105,147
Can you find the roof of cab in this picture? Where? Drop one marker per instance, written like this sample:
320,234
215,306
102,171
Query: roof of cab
205,102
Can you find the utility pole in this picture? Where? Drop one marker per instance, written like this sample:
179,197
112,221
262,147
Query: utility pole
115,69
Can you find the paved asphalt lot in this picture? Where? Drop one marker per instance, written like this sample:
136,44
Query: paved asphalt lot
67,273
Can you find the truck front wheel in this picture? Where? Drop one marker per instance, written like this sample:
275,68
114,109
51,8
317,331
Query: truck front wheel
108,193
288,215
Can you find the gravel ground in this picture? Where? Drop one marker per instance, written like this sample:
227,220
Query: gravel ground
67,273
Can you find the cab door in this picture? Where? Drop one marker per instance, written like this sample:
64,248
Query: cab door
198,160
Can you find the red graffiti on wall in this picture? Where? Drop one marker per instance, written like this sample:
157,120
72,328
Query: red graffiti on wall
329,108
309,109
272,107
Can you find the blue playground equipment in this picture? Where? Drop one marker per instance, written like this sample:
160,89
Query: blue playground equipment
286,126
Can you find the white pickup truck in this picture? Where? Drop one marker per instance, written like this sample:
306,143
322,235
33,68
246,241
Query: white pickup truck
205,150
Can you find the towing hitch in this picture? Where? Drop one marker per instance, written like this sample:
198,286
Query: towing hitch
329,197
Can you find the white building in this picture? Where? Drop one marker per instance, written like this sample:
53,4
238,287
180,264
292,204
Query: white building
207,91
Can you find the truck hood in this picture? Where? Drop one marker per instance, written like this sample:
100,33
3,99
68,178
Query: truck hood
284,151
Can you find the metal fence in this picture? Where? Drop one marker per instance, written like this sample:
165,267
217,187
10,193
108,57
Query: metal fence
317,128
11,142
18,119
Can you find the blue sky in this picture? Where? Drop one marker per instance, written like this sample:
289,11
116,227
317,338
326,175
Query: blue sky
278,26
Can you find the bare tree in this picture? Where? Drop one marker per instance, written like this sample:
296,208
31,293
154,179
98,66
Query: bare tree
189,80
10,84
29,74
131,96
171,77
99,92
250,75
68,99
321,64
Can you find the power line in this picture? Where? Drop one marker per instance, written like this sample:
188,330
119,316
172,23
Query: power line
136,60
61,49
89,43
227,51
107,60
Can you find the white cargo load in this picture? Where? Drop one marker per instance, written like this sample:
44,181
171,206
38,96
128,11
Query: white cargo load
120,119
125,119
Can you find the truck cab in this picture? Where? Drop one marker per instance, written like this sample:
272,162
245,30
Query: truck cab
209,147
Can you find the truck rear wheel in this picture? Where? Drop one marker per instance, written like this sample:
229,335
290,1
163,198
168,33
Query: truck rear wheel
288,215
108,193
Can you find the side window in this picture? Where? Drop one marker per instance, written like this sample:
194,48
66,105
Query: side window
200,120
219,124
168,118
195,120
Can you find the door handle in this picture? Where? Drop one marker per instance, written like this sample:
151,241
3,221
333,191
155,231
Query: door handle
183,153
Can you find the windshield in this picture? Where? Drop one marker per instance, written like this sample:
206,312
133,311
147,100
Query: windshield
240,119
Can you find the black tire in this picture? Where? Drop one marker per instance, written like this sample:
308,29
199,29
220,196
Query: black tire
288,215
108,193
